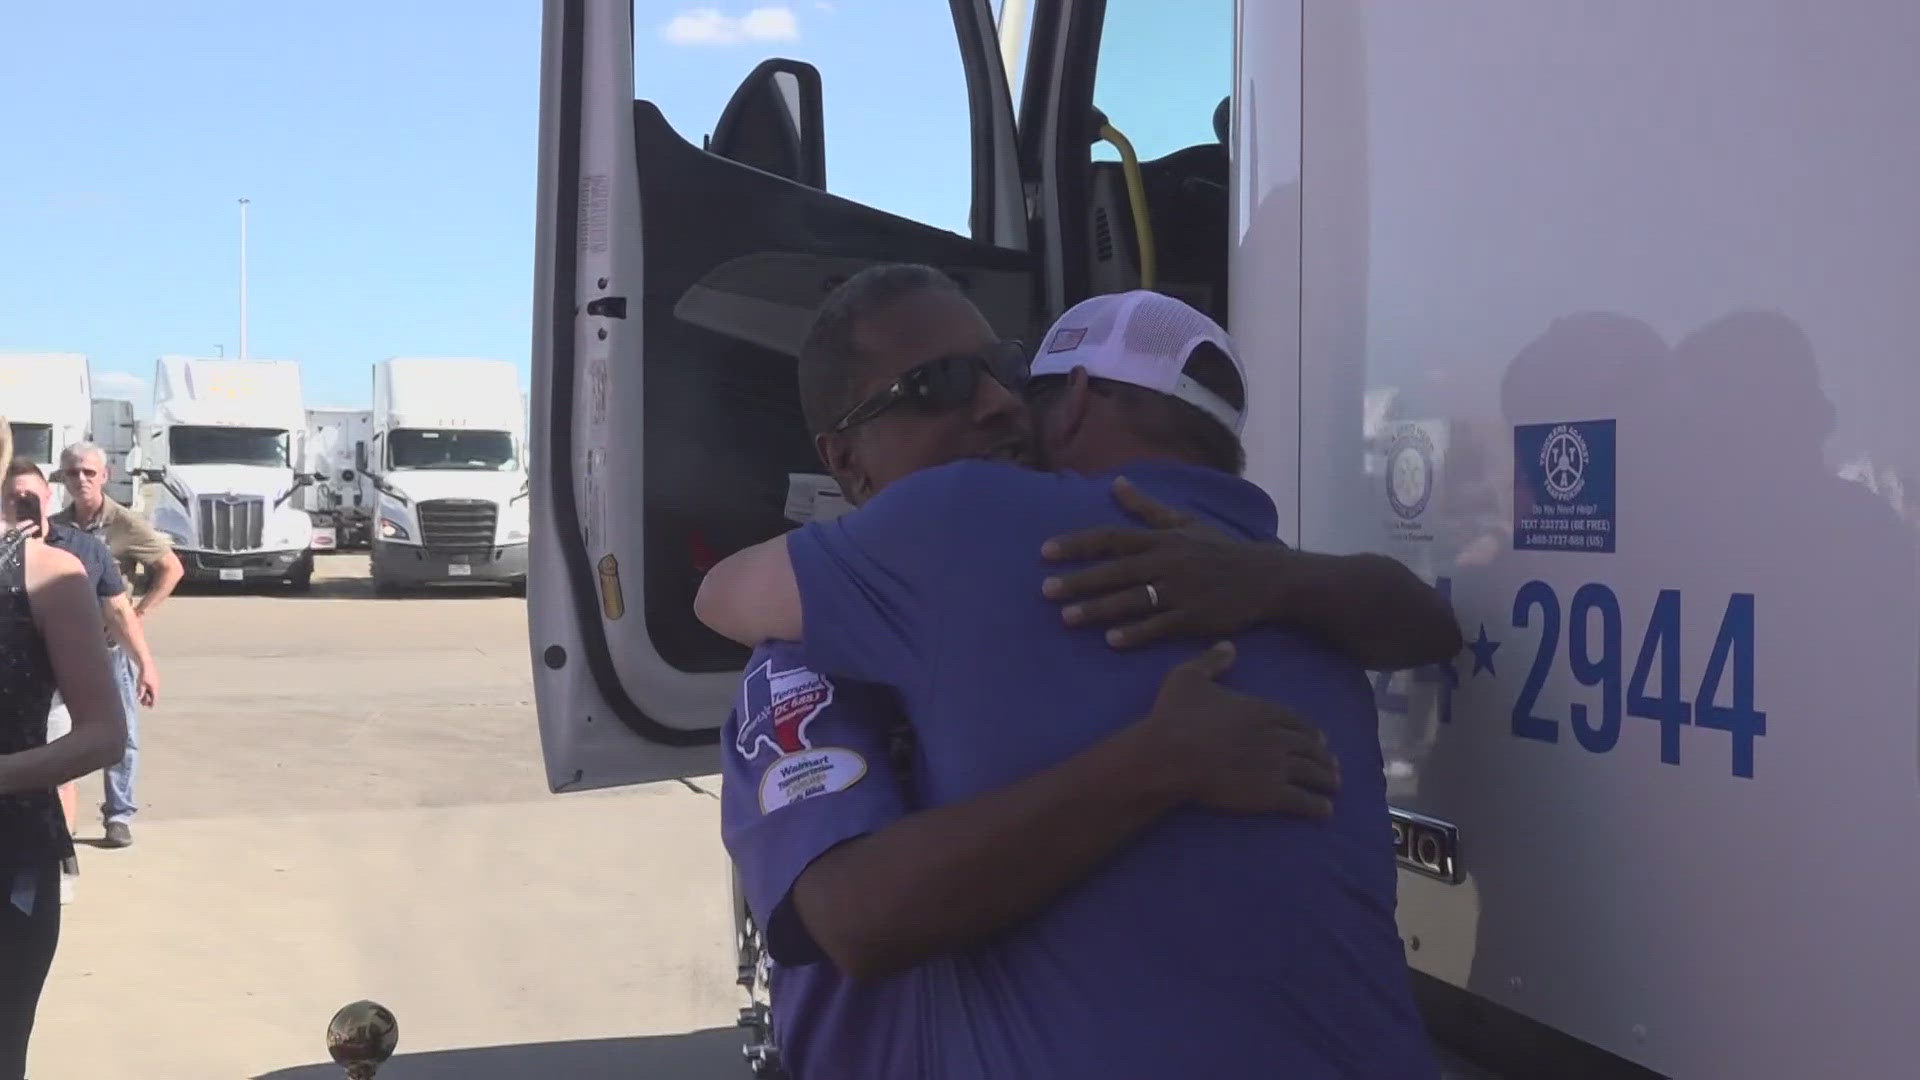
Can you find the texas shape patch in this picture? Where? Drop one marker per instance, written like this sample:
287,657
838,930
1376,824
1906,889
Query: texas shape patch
776,708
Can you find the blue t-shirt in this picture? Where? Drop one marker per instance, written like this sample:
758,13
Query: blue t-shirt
1213,944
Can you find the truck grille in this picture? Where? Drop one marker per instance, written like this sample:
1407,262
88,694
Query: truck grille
232,522
457,524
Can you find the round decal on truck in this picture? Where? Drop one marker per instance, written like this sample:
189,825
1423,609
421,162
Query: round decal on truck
1410,471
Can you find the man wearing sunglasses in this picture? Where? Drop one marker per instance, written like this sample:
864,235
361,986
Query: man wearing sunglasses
1054,888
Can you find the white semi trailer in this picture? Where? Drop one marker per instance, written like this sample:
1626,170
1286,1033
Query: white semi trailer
1629,288
341,497
116,430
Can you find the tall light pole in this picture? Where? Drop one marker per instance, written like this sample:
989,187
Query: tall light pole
243,279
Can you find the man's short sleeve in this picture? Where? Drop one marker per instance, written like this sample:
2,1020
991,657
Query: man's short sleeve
805,763
874,582
132,538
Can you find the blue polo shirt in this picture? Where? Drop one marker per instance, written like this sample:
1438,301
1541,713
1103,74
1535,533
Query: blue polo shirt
1213,945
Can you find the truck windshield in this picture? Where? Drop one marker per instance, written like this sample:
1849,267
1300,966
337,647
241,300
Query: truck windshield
33,442
421,448
227,446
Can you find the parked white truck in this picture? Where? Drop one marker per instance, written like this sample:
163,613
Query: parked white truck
341,496
447,459
1629,286
47,400
221,454
116,430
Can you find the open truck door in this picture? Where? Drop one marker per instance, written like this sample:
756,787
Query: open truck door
674,284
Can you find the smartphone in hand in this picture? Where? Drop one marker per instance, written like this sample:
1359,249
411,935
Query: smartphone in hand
26,511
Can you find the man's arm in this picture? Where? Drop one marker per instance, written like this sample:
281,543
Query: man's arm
144,545
1369,607
872,582
166,573
751,596
952,878
126,628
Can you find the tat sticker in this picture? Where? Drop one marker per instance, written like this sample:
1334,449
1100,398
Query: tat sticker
1415,450
1563,486
776,708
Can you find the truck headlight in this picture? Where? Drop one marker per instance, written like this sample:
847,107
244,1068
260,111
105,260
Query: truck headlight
391,492
177,490
392,530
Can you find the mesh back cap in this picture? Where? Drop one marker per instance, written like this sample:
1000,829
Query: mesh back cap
1144,338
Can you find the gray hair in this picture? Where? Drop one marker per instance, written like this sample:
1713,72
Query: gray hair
80,451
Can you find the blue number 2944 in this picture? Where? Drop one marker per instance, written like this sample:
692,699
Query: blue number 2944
1732,659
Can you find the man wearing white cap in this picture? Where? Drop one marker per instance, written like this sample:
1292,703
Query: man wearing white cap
1198,930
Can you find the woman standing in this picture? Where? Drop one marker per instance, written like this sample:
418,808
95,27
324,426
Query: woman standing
51,637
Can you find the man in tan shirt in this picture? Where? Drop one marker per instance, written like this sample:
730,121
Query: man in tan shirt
135,546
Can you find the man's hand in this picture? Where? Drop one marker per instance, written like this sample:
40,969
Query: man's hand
148,687
1182,578
1177,577
1231,752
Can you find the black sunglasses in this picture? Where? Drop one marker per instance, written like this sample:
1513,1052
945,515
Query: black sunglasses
947,382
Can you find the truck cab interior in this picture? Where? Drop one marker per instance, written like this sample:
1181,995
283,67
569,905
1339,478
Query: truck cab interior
1172,236
743,238
678,276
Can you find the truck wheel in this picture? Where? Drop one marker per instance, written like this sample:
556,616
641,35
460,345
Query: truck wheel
518,589
385,589
301,580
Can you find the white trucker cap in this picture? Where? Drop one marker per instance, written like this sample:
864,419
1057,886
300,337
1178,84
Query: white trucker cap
1144,338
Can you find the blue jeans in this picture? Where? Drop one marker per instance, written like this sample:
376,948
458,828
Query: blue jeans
119,778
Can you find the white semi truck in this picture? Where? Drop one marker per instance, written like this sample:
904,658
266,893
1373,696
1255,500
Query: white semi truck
1628,287
116,430
446,459
47,400
341,497
221,473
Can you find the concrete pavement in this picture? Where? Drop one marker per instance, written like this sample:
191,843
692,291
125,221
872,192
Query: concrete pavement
342,799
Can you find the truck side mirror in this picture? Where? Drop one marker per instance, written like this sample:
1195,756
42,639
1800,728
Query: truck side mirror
774,123
360,456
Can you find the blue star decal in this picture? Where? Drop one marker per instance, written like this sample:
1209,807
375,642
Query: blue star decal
1483,652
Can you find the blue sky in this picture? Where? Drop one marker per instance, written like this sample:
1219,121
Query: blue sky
388,153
